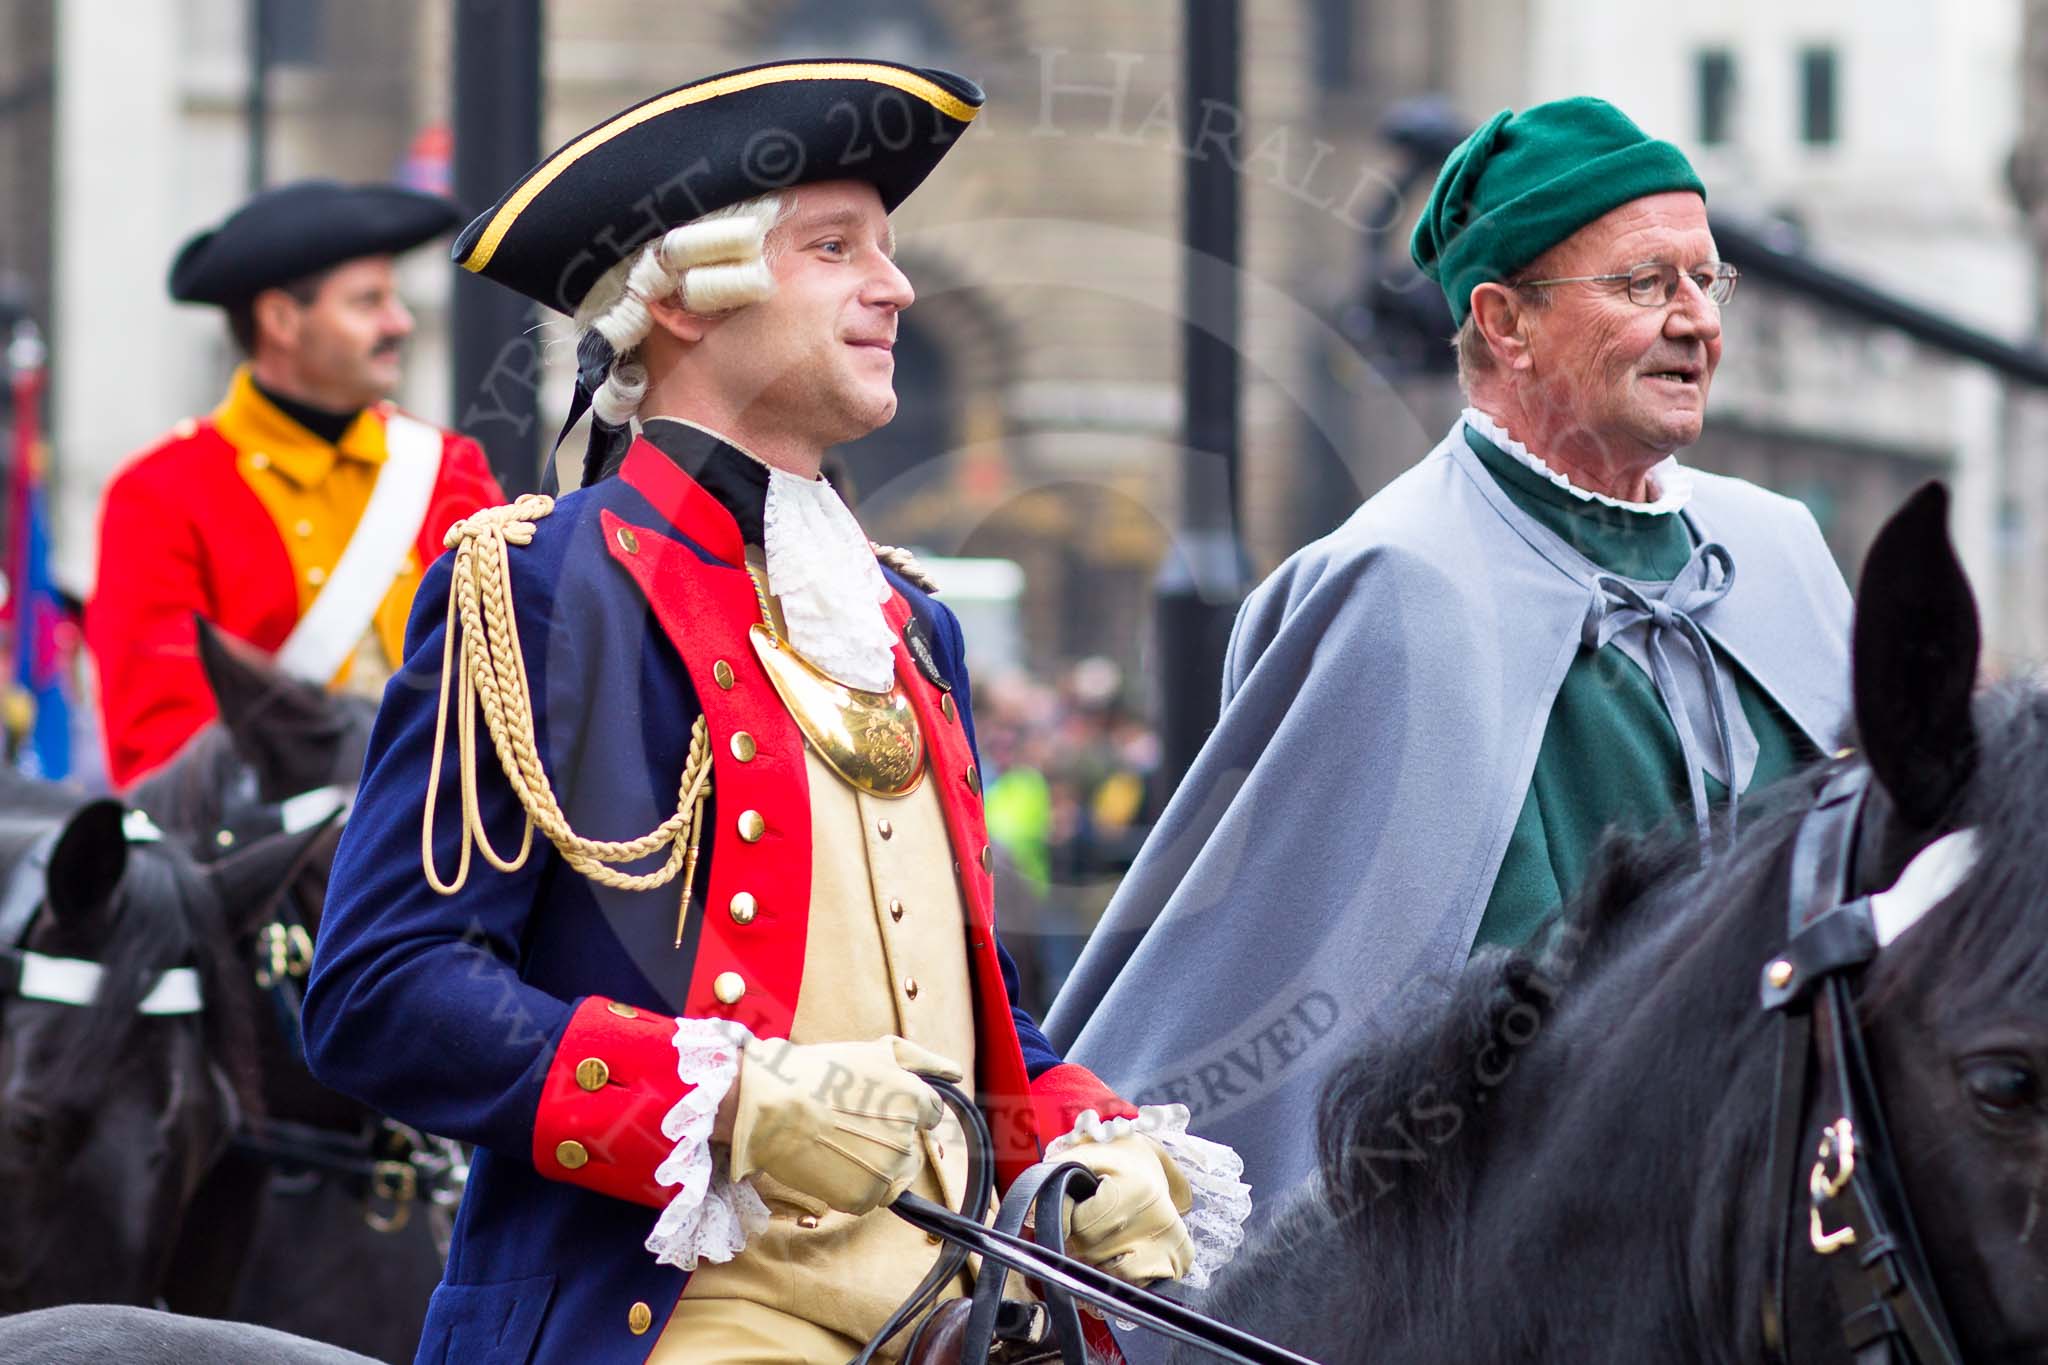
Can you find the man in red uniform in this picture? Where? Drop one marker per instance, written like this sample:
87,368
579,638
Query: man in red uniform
299,515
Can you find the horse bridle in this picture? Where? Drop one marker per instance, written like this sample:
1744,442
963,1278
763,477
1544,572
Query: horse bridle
1858,1220
1061,1278
392,1165
26,975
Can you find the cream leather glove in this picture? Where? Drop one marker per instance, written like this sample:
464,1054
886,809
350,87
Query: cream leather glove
836,1122
1131,1226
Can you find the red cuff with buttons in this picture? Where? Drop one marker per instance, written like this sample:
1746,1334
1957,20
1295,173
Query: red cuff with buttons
1060,1093
612,1082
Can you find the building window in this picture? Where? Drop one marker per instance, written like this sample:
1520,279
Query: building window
1715,72
1819,82
1335,24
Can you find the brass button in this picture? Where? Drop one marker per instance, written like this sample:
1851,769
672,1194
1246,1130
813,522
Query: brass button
728,987
639,1318
592,1073
743,746
629,542
885,829
988,859
973,779
316,575
910,987
623,1011
752,826
1781,974
933,1238
808,1222
895,909
742,908
572,1155
721,673
259,461
303,528
946,705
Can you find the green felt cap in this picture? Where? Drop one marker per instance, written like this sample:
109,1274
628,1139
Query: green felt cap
1524,182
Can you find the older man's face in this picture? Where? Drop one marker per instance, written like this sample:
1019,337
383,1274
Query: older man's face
1630,379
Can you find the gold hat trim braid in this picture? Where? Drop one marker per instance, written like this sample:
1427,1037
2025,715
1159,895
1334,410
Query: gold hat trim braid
937,96
482,651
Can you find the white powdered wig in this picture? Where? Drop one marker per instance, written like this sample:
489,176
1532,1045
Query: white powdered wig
714,264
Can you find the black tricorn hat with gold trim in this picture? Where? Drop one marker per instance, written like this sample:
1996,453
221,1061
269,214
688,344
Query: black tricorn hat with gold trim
706,145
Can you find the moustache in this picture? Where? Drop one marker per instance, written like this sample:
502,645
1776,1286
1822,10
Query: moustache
389,347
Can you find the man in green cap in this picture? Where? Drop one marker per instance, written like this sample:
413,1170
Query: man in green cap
1536,634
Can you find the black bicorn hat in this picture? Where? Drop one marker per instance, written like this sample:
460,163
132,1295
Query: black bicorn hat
705,146
292,231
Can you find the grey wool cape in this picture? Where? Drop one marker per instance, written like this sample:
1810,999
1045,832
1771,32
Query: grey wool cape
1321,872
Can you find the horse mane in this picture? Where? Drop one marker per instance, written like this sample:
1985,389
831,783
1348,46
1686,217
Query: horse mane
1638,898
189,792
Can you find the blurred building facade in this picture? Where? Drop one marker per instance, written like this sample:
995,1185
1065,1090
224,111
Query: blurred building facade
1039,367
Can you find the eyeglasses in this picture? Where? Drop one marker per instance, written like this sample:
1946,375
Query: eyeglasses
1655,283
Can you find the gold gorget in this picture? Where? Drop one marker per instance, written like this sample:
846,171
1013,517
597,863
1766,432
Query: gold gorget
870,739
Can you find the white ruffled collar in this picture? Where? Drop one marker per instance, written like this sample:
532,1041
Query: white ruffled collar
821,569
1672,480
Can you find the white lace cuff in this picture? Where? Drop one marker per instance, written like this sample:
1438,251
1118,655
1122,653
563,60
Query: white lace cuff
1222,1201
711,1215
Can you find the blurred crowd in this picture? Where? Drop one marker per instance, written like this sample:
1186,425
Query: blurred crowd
1071,792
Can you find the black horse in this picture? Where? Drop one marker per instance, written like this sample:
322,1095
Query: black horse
125,1062
1573,1161
320,1219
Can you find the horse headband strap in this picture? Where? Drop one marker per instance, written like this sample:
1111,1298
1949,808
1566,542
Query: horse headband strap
70,981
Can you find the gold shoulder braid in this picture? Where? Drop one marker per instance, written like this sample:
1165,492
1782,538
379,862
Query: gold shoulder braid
905,563
482,632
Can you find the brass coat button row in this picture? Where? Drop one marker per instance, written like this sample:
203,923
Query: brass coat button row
743,908
729,987
743,746
752,826
946,706
572,1155
592,1073
885,829
629,542
809,1222
639,1318
988,858
974,779
623,1011
895,909
721,673
910,987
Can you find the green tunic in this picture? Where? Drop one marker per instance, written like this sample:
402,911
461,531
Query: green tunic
1610,755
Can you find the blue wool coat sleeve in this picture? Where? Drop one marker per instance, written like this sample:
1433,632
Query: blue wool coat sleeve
415,1005
1039,1053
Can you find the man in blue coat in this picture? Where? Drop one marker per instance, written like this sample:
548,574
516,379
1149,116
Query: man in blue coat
759,902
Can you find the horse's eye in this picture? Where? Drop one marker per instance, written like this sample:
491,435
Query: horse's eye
27,1129
2002,1086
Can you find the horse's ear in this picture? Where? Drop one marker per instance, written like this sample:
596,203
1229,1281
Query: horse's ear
281,726
1916,649
248,879
88,861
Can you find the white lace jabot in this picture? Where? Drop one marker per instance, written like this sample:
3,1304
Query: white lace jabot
1672,480
822,569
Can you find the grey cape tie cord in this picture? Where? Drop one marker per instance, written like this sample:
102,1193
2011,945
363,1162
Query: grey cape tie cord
1618,604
